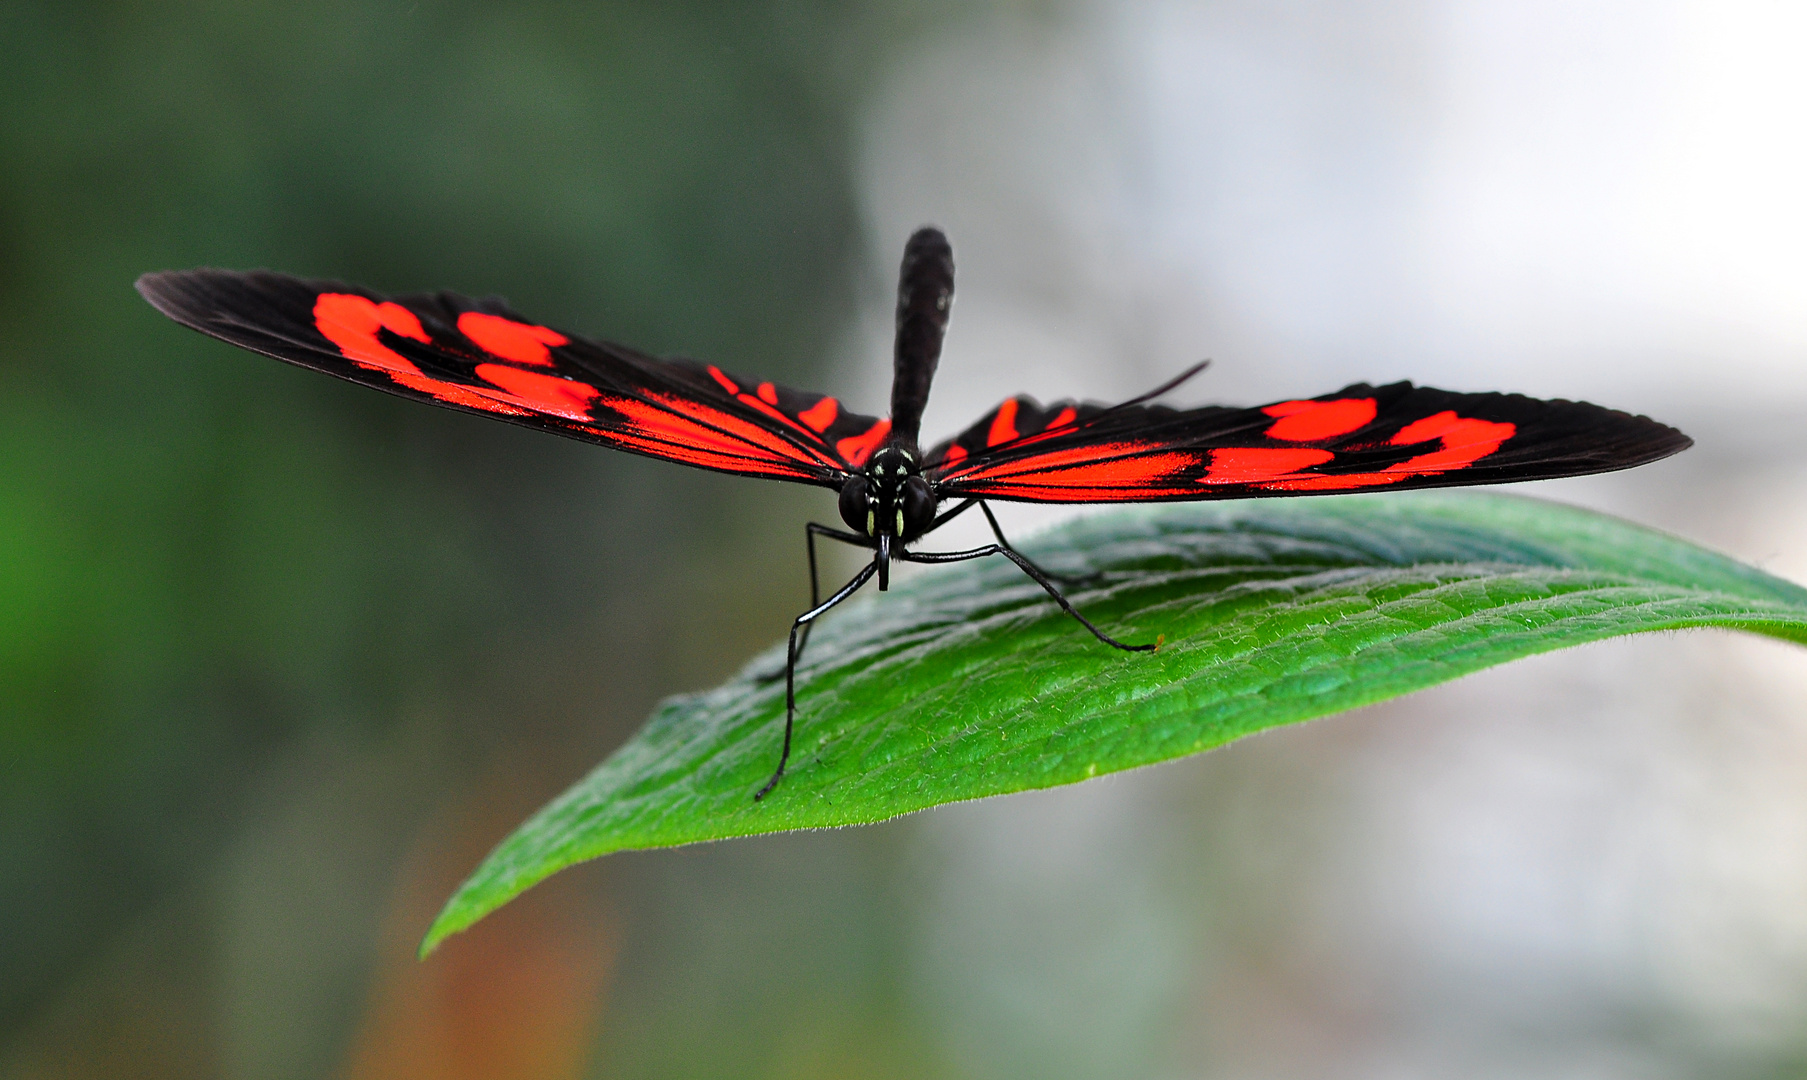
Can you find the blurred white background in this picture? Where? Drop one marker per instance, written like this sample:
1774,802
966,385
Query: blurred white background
1589,864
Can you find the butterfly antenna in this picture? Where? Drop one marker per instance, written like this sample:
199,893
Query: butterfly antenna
1171,384
1142,399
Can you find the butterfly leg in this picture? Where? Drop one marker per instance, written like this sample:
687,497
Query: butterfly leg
1040,578
943,519
997,530
1069,580
815,590
803,623
811,531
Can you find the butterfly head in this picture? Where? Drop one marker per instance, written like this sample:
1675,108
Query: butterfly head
889,500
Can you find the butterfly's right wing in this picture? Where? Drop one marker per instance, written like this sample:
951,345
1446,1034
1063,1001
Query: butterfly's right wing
1359,438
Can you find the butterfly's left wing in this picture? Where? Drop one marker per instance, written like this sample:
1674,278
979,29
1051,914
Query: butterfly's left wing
478,356
1360,438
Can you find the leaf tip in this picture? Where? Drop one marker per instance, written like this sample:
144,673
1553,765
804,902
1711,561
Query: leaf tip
443,927
429,944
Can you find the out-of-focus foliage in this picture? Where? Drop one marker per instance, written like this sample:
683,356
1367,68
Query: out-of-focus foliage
205,556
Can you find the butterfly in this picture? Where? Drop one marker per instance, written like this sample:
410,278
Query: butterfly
479,356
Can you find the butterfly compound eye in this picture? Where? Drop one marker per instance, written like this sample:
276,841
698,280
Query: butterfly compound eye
918,506
853,504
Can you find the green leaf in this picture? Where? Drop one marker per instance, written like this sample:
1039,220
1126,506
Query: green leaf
967,681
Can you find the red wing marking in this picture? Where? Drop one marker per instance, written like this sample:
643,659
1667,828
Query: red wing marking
457,394
351,322
820,416
1123,472
1345,482
1104,481
547,394
1309,421
772,411
954,453
655,422
683,428
1052,493
510,340
1452,429
1003,425
1058,426
1074,476
1060,460
1289,408
855,449
1253,465
1463,442
701,417
732,459
672,431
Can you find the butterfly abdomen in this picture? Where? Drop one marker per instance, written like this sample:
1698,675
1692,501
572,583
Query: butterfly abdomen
925,294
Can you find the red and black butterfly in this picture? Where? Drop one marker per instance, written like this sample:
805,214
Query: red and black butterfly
479,356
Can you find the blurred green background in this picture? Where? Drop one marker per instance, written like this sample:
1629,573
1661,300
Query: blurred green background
260,633
280,658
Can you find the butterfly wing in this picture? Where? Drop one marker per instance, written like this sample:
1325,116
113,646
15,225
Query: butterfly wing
1360,438
478,356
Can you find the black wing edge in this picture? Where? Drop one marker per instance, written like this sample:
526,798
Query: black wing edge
206,300
1555,437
